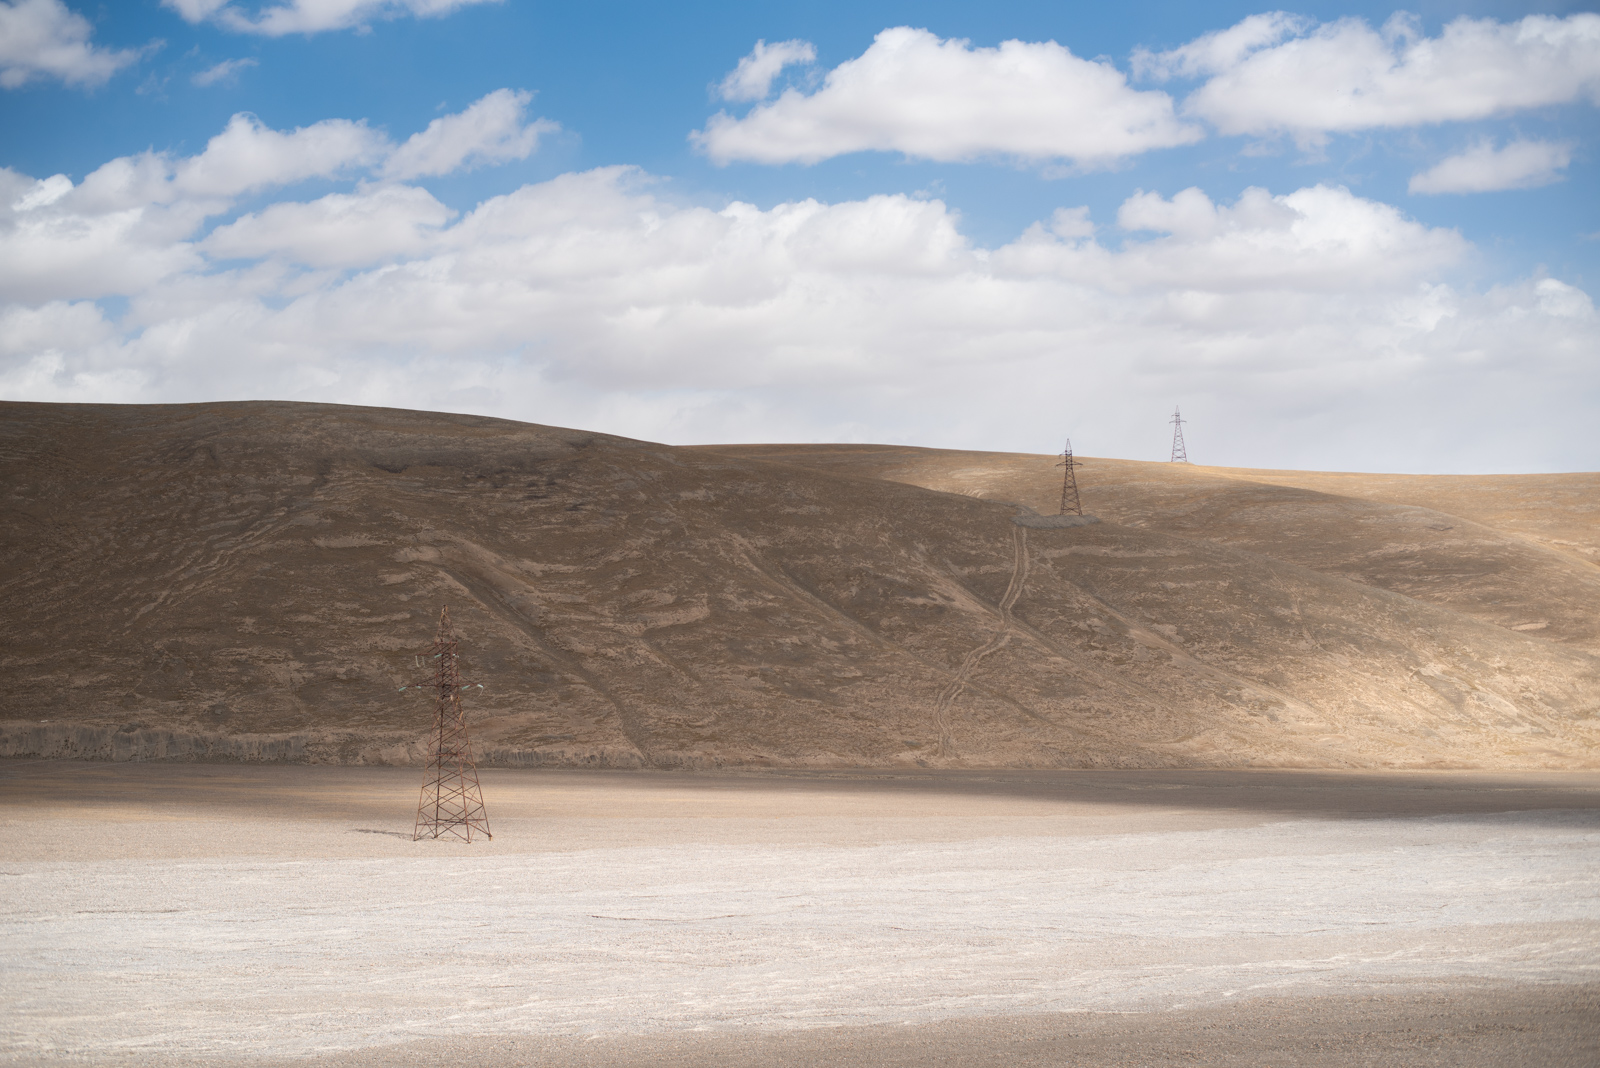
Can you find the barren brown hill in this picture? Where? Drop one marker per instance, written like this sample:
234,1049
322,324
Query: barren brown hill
247,581
1519,551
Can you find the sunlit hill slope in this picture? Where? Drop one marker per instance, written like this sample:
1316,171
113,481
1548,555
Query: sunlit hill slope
248,581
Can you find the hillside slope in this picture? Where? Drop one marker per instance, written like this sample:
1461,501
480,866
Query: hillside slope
248,581
1519,551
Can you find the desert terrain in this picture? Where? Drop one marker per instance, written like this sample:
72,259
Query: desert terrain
802,755
249,582
179,915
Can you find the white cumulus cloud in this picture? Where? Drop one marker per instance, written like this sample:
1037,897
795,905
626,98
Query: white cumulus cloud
45,38
1219,50
56,243
127,224
1483,168
752,78
928,98
338,230
492,130
29,332
43,193
247,155
1346,75
309,16
133,221
1318,238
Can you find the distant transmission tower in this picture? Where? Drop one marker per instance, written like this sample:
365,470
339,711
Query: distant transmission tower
1069,483
452,800
1180,455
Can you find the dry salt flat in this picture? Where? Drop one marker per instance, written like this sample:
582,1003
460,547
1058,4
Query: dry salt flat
191,934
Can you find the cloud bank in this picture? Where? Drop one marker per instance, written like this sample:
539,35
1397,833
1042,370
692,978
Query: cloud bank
1314,327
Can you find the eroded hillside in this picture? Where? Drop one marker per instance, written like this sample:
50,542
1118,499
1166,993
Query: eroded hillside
248,581
1519,551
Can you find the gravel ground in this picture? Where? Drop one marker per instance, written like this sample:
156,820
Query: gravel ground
184,916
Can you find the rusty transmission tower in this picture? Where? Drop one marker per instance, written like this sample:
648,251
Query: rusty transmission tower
452,800
1070,505
1180,455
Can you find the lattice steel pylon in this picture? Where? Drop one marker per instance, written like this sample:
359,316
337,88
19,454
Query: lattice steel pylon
1069,482
452,799
1180,455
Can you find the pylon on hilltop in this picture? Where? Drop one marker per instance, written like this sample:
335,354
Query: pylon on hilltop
1180,455
452,799
1070,505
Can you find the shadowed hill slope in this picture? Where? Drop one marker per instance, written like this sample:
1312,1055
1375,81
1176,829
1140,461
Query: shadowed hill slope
248,581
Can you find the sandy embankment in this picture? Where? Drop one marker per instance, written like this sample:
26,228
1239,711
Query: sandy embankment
197,914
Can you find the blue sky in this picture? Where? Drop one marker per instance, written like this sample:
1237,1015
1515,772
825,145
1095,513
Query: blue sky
1408,270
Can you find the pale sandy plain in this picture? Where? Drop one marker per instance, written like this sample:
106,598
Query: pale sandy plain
203,914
